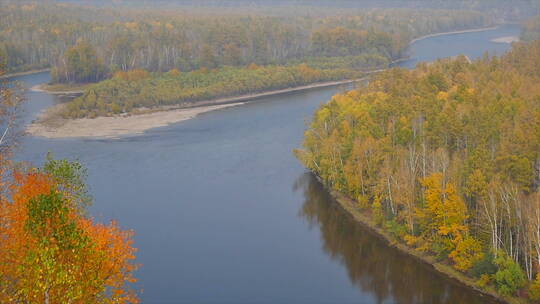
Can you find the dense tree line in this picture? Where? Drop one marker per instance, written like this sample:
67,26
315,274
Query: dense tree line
87,43
128,92
446,157
371,265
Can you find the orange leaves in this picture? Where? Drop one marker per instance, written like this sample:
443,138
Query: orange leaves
117,269
30,185
252,66
50,251
16,241
25,187
308,74
174,73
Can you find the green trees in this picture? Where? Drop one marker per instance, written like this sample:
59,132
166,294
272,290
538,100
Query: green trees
80,64
509,276
39,35
448,153
534,290
129,91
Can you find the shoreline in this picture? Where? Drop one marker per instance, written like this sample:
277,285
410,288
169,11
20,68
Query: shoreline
111,127
40,88
11,75
482,29
506,39
254,96
364,219
115,126
121,125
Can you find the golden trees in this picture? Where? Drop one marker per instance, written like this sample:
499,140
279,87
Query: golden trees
80,64
449,153
443,219
444,213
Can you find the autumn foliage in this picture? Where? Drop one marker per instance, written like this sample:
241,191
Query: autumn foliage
446,158
53,253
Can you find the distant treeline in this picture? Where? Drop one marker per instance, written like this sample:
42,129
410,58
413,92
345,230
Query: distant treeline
86,44
455,4
501,10
446,158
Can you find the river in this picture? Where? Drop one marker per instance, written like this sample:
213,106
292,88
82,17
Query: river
224,213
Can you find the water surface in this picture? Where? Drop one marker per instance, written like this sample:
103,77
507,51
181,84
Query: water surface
224,213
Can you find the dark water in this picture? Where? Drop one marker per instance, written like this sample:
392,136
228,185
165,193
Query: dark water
224,213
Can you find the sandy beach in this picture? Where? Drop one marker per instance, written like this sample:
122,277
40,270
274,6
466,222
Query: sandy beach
508,39
453,33
113,127
47,125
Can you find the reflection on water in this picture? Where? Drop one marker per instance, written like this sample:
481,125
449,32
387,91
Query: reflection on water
373,267
216,221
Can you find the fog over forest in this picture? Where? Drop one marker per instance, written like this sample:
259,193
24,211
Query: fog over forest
270,151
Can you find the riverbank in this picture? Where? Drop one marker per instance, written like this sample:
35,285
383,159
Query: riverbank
11,75
364,218
60,89
49,125
508,39
113,127
125,124
483,29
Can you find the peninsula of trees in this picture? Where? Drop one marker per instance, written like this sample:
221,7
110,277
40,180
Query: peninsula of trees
446,158
136,90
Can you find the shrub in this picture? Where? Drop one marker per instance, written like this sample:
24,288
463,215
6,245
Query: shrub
398,230
484,280
509,277
485,266
534,289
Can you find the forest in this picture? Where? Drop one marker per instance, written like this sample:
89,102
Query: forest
446,159
531,29
131,91
87,44
151,57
